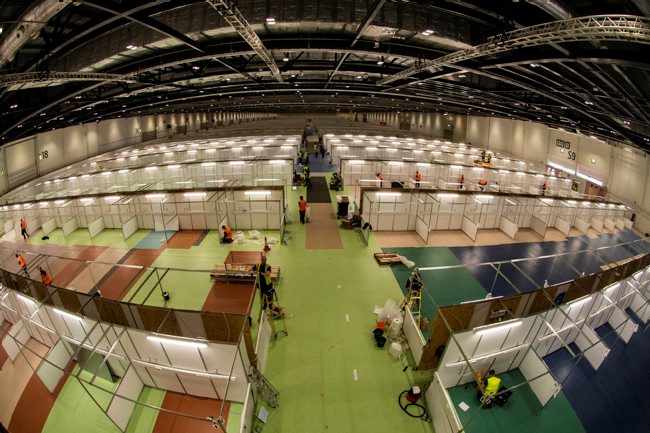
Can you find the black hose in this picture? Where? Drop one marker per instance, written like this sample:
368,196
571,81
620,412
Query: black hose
405,408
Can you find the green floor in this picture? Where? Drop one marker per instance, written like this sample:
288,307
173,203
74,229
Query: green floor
522,412
108,237
313,367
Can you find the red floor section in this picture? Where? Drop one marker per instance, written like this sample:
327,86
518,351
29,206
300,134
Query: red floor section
66,275
185,239
229,298
201,407
120,279
35,405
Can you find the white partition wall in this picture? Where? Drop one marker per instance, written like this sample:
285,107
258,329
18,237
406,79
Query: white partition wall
539,378
49,226
121,406
96,227
129,227
563,226
413,336
508,227
597,224
70,226
53,367
581,225
441,408
469,228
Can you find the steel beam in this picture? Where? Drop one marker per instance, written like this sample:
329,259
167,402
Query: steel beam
586,29
232,15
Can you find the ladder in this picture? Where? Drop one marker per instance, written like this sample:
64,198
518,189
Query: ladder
268,393
271,307
413,298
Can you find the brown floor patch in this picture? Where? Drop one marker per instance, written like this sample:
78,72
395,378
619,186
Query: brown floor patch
229,298
185,238
200,407
323,228
120,279
35,405
65,276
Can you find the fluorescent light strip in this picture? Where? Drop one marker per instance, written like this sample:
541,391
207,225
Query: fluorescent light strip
68,315
579,301
445,195
485,196
511,202
489,329
26,299
173,166
176,342
277,161
589,178
236,162
195,194
257,192
561,167
488,355
388,194
150,196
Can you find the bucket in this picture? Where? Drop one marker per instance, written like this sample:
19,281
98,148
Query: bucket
395,328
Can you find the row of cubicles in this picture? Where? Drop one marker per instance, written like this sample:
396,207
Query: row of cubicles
452,176
123,348
423,211
518,332
242,208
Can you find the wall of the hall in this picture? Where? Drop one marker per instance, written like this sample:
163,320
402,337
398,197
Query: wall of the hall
624,170
26,159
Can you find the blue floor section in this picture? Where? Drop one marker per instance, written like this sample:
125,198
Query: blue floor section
319,165
155,240
529,275
614,398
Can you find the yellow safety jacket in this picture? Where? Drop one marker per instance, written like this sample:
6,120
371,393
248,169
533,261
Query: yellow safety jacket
267,268
492,386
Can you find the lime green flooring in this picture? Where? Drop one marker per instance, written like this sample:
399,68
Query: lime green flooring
329,296
522,412
75,411
108,237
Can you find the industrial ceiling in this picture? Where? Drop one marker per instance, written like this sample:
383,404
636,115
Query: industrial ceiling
579,65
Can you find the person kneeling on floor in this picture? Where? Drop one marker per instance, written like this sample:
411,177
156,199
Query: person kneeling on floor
227,235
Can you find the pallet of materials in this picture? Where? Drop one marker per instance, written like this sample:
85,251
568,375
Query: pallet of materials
387,258
620,262
239,272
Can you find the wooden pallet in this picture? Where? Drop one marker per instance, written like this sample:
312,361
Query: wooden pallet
387,258
239,272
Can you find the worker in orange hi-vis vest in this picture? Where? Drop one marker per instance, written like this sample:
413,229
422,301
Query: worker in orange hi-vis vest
22,262
23,229
302,209
418,178
47,280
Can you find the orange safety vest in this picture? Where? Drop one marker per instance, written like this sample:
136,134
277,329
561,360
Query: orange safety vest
418,177
23,225
227,233
380,176
21,261
302,205
461,179
46,279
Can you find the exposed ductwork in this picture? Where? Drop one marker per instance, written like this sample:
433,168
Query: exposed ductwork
29,27
553,7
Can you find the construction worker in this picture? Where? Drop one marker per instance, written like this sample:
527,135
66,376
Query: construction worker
300,157
47,280
302,209
264,281
227,235
544,187
305,173
22,262
488,388
418,178
315,150
461,180
23,229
